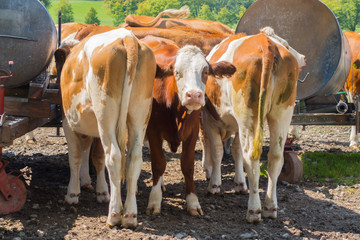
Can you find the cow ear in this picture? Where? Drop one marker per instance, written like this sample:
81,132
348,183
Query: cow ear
222,69
60,57
162,72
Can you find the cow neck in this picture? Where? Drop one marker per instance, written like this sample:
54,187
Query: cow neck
210,108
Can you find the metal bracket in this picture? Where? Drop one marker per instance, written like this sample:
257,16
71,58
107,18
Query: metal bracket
303,80
2,119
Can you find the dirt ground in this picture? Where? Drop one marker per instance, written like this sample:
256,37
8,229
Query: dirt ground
306,210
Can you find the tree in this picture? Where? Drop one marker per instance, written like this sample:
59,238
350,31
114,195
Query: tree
67,14
154,7
119,9
350,14
46,3
224,16
91,17
205,13
347,12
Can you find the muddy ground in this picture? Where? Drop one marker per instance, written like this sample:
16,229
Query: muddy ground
306,210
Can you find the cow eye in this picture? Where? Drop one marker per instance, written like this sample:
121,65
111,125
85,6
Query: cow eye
177,74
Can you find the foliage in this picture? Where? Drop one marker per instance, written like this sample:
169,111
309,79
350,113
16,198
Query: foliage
154,7
205,13
119,9
81,8
339,168
67,14
91,17
46,3
347,12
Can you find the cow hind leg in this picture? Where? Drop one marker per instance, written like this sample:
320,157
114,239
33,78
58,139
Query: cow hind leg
239,179
252,167
77,144
98,159
133,169
85,179
278,127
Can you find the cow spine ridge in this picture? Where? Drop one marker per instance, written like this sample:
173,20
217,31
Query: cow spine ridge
134,21
132,53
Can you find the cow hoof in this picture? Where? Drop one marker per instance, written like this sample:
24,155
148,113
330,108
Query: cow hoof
241,188
253,216
196,212
215,189
103,197
152,211
129,221
354,148
31,141
88,187
72,198
113,220
269,213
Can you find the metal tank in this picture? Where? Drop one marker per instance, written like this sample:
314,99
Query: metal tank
312,29
27,37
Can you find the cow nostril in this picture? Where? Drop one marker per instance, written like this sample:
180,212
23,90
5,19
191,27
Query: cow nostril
198,95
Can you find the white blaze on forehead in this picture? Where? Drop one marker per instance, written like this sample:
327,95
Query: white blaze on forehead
189,65
230,51
190,62
104,39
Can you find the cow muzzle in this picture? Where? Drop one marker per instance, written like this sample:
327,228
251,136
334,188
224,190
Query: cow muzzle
194,100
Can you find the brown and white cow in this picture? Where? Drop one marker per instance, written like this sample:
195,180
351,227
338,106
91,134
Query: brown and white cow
352,85
262,89
157,22
177,100
106,85
182,36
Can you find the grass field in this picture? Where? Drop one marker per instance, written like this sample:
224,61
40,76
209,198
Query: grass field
336,167
81,8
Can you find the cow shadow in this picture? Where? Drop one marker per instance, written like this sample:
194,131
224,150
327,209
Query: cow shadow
300,215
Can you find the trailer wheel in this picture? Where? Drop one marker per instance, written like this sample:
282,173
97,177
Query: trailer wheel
292,170
16,200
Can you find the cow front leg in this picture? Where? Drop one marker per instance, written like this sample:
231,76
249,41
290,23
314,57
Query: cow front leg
158,165
206,155
187,168
239,179
216,150
77,144
98,159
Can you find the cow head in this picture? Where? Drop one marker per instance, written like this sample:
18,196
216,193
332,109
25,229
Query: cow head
191,71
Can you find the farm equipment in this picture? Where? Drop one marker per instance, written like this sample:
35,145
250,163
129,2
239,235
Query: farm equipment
29,98
312,29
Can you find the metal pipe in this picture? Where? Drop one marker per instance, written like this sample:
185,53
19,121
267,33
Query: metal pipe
342,107
59,28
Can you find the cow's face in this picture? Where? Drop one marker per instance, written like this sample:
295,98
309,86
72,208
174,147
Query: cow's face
191,71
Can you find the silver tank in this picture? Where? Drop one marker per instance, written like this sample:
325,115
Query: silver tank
312,29
27,37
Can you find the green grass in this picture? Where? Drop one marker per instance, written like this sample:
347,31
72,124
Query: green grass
81,8
339,168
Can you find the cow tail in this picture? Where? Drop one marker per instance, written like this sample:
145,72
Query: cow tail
268,60
183,12
132,51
